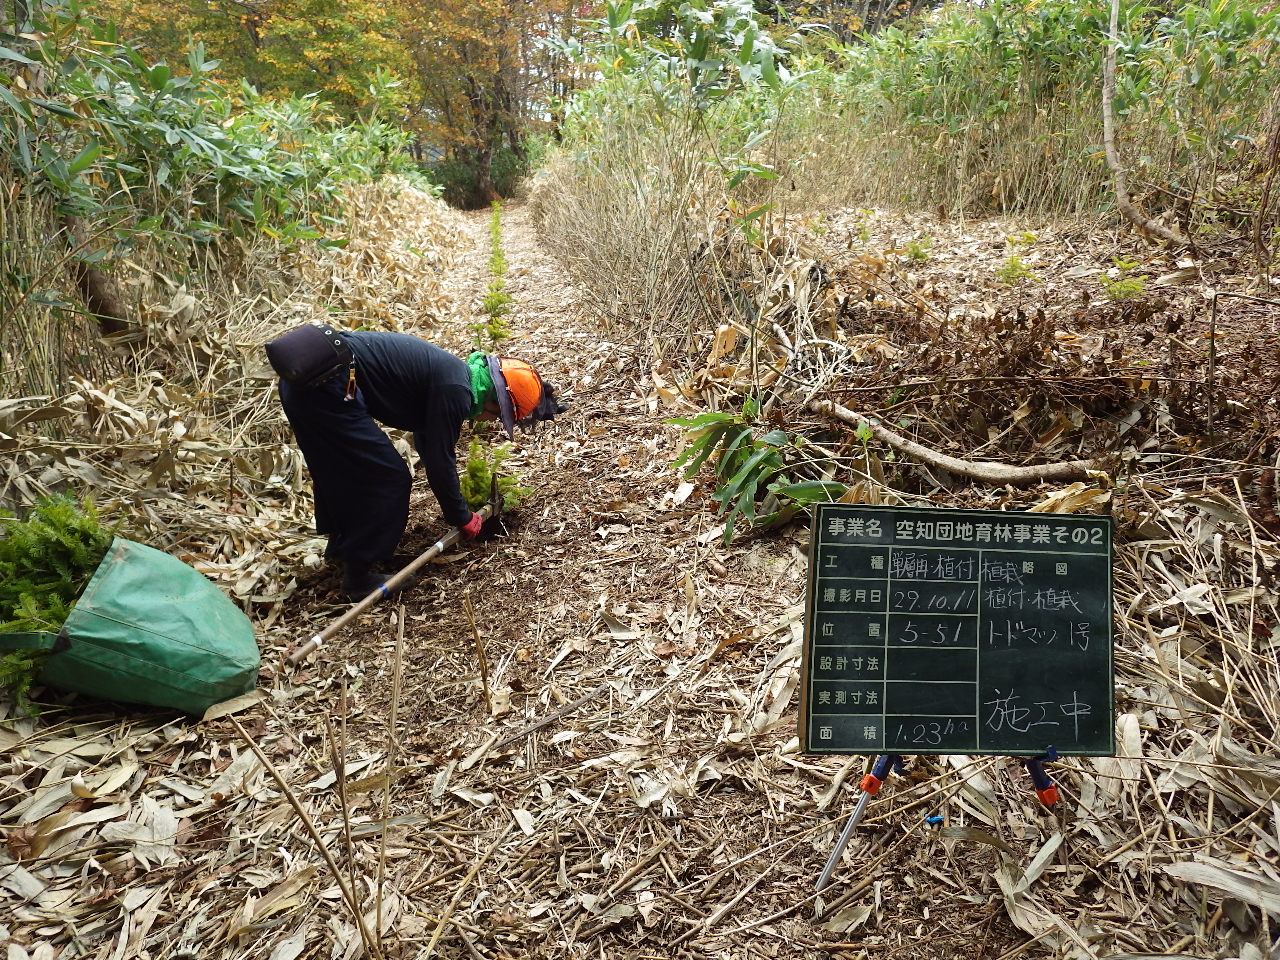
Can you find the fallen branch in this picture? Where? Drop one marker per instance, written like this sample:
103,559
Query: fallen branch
985,470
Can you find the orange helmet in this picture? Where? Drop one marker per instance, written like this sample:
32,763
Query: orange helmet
522,395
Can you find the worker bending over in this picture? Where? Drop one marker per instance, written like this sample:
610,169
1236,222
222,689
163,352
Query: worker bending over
338,386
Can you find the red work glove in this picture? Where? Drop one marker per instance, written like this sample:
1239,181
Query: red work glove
472,527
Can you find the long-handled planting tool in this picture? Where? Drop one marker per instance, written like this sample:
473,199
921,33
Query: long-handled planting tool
885,764
392,584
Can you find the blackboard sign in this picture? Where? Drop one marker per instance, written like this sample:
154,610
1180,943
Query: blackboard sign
957,631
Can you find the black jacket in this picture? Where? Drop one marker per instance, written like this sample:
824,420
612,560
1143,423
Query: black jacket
409,384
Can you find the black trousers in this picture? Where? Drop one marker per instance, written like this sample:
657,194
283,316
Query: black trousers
361,483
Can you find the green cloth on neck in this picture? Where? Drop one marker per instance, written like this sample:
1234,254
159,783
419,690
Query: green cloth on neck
482,390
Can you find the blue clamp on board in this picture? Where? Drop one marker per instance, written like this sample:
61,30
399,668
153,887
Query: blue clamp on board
1045,788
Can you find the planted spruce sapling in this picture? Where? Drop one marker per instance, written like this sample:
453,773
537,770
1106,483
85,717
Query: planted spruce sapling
1016,267
488,333
18,672
917,249
1121,283
476,482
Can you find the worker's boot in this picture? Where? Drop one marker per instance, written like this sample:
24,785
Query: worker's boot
357,585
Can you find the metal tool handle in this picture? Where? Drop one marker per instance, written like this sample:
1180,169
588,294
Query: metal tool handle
885,764
384,590
845,834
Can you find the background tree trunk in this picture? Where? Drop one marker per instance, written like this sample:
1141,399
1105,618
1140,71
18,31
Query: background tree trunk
96,287
1118,172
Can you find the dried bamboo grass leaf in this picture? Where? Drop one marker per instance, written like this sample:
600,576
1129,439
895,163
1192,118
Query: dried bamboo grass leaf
234,705
284,896
850,918
1129,745
474,797
976,790
22,882
977,836
1243,883
290,948
113,779
1033,871
1073,499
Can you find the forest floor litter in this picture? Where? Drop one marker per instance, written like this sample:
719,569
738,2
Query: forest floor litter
633,788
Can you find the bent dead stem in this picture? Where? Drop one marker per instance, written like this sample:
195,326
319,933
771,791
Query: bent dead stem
985,471
339,877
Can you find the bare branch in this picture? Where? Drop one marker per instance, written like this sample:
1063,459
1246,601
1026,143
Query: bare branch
985,470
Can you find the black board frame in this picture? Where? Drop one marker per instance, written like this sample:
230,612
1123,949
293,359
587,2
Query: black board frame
1093,669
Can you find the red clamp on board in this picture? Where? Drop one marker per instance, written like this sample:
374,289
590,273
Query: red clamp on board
880,770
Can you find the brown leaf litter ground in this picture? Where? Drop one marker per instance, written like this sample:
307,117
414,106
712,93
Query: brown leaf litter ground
633,787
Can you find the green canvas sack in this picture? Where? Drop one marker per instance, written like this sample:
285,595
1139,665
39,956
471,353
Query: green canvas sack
149,629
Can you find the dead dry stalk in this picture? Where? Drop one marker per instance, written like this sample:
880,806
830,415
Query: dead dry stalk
348,895
445,917
1123,201
480,655
393,754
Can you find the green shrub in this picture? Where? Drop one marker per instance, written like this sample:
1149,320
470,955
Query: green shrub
172,156
459,179
1124,288
497,259
125,169
755,476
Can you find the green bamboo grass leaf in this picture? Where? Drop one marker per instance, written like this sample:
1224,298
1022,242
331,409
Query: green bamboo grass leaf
618,15
54,107
810,491
84,159
749,473
159,76
755,213
727,465
702,419
769,72
14,55
746,501
18,106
